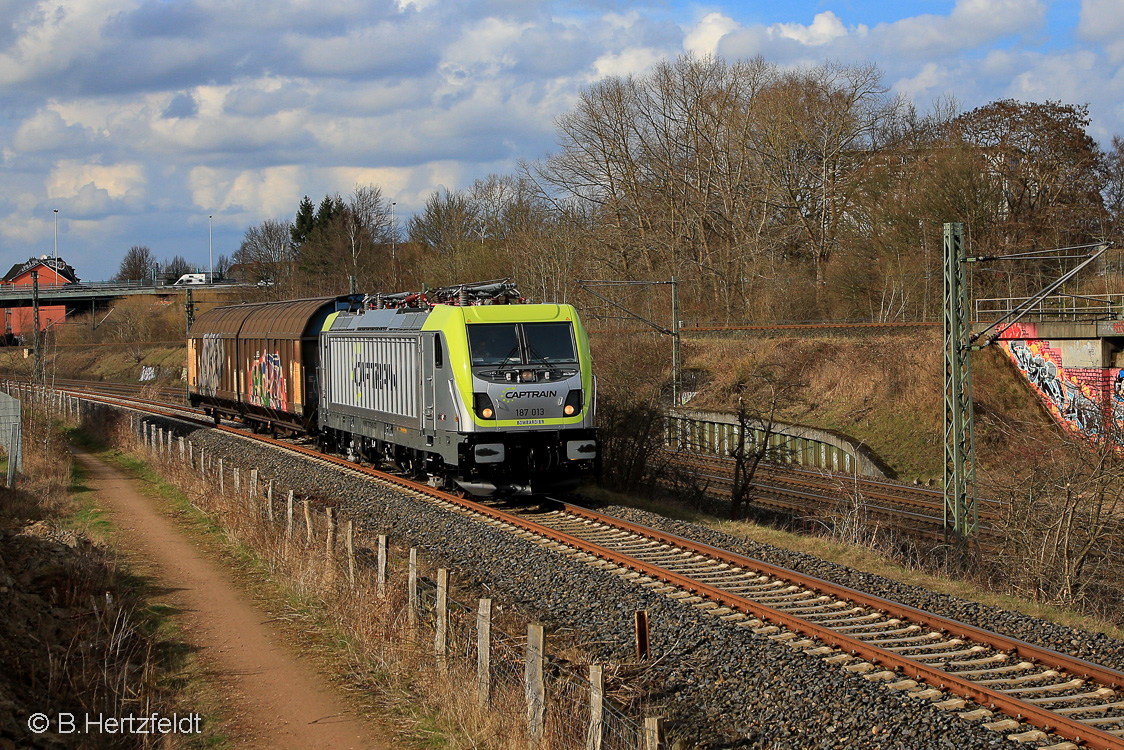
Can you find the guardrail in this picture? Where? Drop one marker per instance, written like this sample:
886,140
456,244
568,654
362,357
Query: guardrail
717,434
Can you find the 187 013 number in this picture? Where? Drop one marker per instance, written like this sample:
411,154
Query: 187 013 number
530,412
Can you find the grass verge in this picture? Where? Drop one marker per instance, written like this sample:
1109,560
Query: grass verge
861,558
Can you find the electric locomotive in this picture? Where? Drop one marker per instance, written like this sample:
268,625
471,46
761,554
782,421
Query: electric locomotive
464,385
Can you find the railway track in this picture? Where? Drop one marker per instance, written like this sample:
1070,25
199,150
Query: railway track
921,654
166,394
915,510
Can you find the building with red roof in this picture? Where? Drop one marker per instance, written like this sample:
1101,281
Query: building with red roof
53,273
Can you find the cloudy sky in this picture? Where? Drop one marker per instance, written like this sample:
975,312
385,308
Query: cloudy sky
136,119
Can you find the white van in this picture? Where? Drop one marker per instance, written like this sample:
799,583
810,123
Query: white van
189,279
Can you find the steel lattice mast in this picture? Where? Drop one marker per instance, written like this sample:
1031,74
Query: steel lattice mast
961,513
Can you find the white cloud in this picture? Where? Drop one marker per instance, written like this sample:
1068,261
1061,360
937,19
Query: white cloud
56,34
931,80
71,177
269,192
706,35
1103,21
826,27
482,51
632,61
24,228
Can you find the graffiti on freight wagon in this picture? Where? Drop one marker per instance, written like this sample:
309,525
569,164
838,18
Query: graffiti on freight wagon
211,355
267,382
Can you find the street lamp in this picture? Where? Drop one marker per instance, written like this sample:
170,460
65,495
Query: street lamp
210,250
56,245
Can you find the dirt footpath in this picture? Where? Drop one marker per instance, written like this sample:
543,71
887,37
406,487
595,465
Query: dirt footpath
276,699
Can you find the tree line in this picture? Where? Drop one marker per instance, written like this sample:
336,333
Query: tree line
141,264
773,194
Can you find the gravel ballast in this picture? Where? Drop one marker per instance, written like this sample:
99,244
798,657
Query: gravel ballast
726,685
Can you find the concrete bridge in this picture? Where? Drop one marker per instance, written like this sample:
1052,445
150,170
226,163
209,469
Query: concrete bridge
83,294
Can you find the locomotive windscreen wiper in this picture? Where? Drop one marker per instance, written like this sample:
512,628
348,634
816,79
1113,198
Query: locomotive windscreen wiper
514,350
533,354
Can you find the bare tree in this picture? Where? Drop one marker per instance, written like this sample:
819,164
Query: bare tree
267,250
1061,521
766,393
368,223
222,265
175,267
136,265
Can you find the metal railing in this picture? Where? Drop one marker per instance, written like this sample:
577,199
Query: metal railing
1064,307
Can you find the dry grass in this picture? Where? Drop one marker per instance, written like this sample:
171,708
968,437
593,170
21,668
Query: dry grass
391,667
882,390
77,627
880,562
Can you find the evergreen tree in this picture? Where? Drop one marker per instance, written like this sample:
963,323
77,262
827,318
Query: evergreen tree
305,221
329,210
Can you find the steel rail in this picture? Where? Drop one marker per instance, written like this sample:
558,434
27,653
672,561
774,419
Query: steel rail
1030,713
1042,718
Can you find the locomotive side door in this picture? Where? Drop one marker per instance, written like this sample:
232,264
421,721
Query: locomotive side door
430,355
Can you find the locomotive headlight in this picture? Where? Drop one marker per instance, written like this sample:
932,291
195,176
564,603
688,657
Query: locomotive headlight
483,407
573,403
527,376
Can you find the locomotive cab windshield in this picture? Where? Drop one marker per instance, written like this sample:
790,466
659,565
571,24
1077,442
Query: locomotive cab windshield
500,344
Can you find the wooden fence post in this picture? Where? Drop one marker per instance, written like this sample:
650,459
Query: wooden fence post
351,552
653,734
533,686
441,632
237,482
412,591
183,449
330,544
307,523
289,515
269,502
253,484
222,479
381,574
595,734
643,650
484,652
191,454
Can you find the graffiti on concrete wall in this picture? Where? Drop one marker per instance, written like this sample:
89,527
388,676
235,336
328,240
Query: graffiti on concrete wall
211,355
1080,398
267,382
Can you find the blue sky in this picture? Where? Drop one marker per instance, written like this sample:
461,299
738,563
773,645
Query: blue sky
138,118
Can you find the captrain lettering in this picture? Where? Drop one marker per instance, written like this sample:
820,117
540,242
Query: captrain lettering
376,375
512,395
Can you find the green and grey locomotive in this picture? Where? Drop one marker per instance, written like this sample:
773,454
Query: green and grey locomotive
463,385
